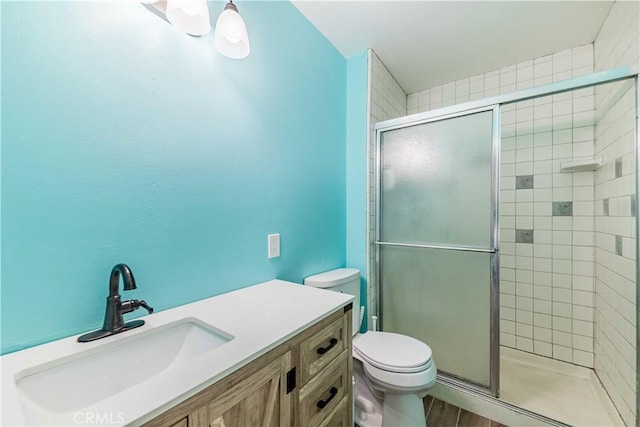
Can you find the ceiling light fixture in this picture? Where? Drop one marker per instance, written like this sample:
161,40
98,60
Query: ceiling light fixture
231,37
189,16
192,17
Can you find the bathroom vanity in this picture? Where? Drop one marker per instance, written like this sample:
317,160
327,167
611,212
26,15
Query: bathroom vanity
272,354
305,381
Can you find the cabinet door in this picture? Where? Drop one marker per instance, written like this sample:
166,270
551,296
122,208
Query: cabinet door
258,400
182,423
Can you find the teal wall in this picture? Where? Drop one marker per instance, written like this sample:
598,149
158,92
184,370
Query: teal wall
126,141
357,75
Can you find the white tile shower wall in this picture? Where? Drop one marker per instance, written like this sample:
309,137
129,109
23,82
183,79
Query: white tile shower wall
547,69
387,101
547,287
615,256
617,44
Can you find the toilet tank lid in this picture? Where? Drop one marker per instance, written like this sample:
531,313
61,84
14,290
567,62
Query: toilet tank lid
332,278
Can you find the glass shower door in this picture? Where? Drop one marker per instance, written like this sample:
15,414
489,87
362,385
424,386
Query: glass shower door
437,240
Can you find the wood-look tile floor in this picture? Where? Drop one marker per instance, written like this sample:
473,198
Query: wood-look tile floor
443,414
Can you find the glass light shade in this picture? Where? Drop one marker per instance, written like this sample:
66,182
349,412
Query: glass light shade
189,16
231,37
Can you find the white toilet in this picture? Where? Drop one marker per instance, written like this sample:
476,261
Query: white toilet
393,372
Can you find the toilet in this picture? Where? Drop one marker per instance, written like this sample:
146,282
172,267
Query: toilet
393,372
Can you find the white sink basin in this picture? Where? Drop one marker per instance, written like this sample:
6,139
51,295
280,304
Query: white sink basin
70,384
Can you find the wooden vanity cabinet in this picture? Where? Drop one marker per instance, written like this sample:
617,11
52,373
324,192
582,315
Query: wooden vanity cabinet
304,382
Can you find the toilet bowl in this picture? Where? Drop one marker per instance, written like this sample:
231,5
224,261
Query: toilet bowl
399,370
393,372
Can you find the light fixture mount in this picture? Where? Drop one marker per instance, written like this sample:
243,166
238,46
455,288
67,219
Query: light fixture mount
231,6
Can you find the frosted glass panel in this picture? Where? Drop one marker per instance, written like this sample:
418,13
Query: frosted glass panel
443,299
435,182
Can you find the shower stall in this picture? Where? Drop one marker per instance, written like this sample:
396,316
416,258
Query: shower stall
506,239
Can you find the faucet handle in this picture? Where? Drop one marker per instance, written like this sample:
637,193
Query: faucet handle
143,304
134,304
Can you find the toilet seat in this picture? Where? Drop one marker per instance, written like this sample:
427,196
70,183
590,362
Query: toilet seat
393,352
395,362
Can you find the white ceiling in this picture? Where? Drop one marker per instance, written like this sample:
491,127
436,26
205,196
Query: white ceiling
426,43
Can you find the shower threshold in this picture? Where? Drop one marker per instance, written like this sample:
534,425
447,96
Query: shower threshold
559,390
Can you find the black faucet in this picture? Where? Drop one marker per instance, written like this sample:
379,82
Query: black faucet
113,320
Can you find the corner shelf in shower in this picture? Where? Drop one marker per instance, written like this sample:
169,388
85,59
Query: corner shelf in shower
583,165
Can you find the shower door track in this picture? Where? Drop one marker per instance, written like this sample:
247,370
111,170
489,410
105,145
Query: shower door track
472,389
595,79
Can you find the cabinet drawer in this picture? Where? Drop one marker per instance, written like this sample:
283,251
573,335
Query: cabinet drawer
339,417
324,392
321,348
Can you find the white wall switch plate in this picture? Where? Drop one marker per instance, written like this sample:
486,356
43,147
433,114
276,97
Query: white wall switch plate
274,245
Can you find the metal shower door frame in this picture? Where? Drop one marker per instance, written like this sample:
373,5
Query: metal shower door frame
609,76
493,250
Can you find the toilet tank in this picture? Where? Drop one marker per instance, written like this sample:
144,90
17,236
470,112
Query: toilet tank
345,280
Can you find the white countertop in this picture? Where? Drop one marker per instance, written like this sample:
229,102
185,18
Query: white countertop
259,317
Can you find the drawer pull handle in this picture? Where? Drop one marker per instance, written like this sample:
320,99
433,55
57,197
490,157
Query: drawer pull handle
322,403
332,343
